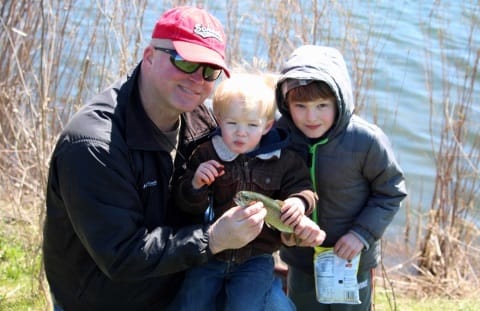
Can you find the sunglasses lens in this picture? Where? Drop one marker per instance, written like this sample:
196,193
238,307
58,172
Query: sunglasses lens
211,73
185,66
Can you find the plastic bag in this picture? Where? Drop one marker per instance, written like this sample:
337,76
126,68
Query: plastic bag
335,278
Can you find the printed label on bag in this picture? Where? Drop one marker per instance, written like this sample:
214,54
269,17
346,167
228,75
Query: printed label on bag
335,277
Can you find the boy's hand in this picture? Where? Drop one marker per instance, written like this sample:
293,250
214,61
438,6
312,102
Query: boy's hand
292,210
206,173
348,246
306,234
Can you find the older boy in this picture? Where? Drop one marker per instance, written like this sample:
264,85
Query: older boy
358,181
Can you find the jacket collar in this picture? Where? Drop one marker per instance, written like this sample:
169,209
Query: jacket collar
140,132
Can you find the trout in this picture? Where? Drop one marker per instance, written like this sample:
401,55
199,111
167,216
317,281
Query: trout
246,198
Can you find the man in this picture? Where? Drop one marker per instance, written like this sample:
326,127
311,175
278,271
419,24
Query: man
108,244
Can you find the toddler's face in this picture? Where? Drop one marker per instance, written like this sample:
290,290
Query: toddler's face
313,118
242,130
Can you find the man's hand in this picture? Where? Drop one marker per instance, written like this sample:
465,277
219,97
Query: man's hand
236,227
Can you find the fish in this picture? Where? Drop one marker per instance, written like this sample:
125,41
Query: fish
245,198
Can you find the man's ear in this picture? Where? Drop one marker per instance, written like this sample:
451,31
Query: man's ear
268,126
148,54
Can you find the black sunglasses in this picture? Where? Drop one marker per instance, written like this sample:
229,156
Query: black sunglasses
209,73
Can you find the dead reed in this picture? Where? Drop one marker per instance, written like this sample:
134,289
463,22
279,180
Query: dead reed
447,261
54,56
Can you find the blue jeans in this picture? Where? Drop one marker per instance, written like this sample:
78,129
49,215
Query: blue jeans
301,289
56,307
244,286
276,300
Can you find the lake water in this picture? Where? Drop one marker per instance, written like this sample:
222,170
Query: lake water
415,46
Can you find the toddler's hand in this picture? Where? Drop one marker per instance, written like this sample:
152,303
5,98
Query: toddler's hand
206,173
292,211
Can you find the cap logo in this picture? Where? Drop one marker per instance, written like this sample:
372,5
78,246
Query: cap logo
205,32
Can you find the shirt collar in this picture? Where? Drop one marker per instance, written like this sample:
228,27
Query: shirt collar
225,154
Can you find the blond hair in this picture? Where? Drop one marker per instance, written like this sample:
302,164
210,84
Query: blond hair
254,92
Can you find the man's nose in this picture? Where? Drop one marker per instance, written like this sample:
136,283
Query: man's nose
197,76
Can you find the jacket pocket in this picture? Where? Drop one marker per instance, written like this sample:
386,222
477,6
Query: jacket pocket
267,181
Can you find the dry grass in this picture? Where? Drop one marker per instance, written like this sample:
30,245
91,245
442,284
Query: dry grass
408,279
449,248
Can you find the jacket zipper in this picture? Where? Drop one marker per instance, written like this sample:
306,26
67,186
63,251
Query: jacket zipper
313,151
248,181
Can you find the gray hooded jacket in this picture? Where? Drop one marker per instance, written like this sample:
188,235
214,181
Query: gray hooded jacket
358,181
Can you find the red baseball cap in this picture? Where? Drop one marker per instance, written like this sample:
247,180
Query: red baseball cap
197,36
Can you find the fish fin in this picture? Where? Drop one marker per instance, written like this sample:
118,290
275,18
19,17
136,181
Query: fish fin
270,226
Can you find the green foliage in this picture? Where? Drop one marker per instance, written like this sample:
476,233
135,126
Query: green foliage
19,267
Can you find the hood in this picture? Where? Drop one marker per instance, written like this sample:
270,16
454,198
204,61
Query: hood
319,63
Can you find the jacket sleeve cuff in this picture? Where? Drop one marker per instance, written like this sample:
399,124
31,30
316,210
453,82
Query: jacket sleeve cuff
309,198
197,193
364,240
205,249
